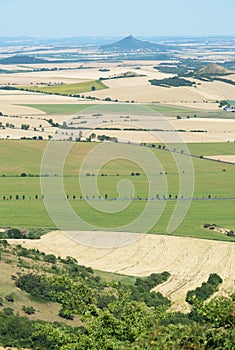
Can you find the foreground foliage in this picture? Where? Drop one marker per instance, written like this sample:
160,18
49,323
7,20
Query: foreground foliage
112,315
206,290
128,325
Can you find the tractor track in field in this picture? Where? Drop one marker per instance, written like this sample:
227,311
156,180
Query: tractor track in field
190,261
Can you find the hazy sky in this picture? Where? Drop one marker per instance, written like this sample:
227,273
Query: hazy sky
55,18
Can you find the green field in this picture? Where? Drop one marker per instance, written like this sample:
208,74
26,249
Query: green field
212,149
184,112
167,110
73,108
67,89
211,178
60,109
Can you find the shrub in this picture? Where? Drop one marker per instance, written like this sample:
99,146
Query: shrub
29,310
206,290
65,313
50,258
8,311
10,297
4,243
230,234
214,279
13,233
142,289
206,225
36,285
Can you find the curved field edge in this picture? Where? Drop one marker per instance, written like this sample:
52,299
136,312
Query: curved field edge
166,109
189,261
60,109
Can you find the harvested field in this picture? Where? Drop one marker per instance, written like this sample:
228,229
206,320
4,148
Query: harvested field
17,134
224,158
141,91
148,93
167,137
216,90
12,102
190,261
190,129
230,77
208,106
206,124
11,109
157,121
34,122
71,73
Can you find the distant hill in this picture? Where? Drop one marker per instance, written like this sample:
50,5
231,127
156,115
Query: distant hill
130,43
128,74
213,70
22,59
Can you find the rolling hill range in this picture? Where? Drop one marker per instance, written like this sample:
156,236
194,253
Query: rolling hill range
22,59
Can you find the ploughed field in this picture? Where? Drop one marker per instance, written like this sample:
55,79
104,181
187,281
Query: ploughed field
189,261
